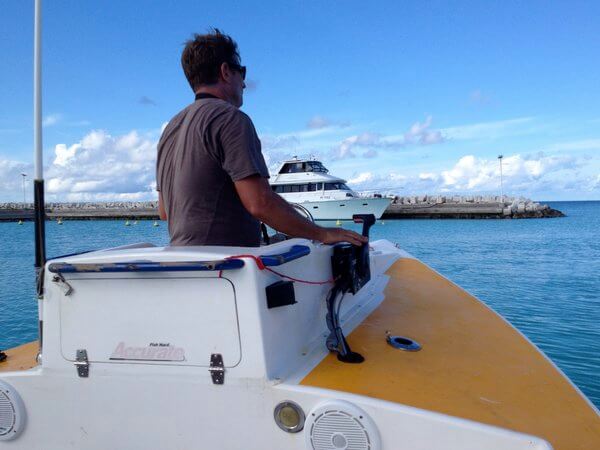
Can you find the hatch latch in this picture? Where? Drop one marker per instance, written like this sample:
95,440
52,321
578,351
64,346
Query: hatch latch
62,283
82,364
217,368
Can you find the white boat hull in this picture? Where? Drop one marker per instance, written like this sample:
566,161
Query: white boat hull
346,208
137,312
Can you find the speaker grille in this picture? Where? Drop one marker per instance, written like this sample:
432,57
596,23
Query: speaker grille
12,412
7,414
333,429
340,425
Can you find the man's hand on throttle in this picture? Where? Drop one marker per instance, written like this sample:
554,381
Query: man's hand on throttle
334,235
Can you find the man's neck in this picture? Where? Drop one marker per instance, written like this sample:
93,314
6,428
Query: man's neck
213,90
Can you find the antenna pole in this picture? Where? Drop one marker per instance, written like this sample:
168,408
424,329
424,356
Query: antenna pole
38,181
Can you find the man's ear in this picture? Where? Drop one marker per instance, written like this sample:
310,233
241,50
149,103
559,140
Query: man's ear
225,72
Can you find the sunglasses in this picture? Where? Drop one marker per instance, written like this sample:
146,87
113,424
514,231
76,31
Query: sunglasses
240,69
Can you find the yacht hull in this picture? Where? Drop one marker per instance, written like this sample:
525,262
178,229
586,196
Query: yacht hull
345,209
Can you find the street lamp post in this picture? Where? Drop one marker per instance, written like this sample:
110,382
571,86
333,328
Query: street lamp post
23,176
501,187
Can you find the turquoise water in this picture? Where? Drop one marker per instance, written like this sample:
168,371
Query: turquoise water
540,274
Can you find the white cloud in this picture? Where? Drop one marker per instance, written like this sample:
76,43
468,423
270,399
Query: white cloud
326,139
344,149
369,181
102,166
362,178
59,184
490,130
55,119
11,181
584,144
318,122
51,120
479,174
64,154
419,133
522,175
428,176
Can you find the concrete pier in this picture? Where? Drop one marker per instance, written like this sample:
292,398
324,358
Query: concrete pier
415,207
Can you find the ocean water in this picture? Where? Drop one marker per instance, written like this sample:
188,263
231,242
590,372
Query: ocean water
543,275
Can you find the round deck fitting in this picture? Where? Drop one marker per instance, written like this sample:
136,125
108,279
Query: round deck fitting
403,343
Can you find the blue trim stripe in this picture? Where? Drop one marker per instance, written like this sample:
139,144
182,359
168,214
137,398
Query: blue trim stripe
297,251
148,266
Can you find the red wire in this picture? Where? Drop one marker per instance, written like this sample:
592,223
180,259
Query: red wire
261,266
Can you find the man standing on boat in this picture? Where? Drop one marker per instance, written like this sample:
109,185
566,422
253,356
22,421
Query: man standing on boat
211,174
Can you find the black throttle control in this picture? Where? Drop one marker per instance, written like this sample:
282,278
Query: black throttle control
351,270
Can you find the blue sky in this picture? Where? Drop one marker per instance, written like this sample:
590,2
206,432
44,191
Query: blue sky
409,97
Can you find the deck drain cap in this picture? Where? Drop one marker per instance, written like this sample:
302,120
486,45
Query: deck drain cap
404,343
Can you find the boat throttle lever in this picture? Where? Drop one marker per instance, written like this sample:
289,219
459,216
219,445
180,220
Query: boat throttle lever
351,271
363,266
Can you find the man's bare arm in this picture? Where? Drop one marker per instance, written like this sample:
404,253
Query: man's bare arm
161,208
260,200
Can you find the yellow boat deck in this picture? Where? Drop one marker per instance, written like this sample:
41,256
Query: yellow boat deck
22,357
473,364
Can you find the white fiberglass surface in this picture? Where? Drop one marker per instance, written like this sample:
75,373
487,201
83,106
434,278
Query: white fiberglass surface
151,320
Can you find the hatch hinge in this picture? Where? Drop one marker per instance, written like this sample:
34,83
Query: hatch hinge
82,364
217,368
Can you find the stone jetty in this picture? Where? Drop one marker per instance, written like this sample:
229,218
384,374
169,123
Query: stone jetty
415,207
467,207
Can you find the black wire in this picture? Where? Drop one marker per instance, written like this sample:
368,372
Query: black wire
340,304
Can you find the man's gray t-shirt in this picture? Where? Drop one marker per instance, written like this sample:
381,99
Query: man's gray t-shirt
202,151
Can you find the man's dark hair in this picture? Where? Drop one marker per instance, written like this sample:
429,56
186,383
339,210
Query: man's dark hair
203,55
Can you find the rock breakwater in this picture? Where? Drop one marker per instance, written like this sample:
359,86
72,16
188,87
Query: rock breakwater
420,207
467,207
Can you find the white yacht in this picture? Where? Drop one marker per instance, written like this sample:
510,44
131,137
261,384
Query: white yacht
309,184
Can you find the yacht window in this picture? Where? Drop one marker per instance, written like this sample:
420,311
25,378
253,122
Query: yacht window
316,166
287,168
344,187
295,187
312,187
319,186
333,186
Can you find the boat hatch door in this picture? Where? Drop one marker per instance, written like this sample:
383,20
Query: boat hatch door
149,320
